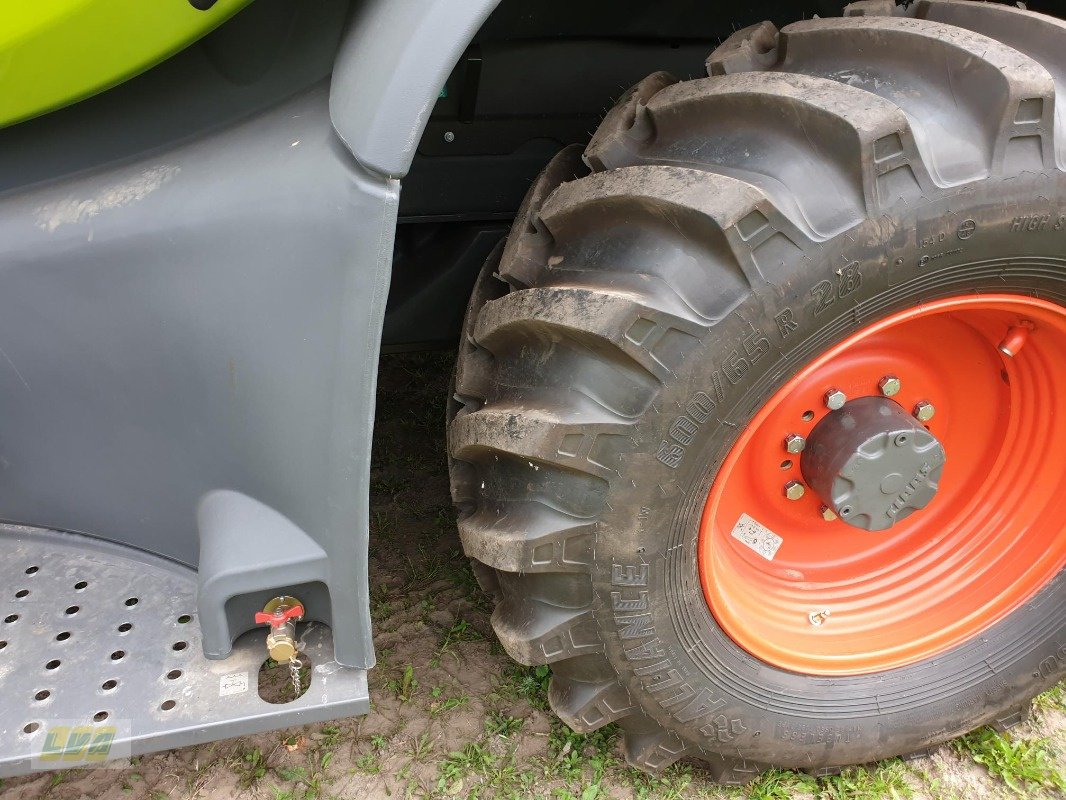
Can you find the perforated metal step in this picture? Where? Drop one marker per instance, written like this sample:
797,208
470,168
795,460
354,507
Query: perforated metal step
101,642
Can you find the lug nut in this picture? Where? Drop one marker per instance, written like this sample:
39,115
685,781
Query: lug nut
794,490
924,411
794,443
835,399
889,386
828,515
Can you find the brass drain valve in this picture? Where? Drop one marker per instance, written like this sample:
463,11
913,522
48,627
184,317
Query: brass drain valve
281,614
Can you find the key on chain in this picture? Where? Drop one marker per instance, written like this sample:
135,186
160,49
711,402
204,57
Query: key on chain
295,665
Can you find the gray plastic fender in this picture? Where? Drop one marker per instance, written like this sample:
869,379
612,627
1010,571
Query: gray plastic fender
391,67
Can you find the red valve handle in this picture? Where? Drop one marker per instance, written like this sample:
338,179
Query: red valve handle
278,617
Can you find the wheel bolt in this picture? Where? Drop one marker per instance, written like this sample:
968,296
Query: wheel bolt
827,514
889,386
924,411
835,399
794,443
794,490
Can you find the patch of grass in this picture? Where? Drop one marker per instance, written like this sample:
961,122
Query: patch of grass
886,780
592,791
250,768
450,704
499,724
675,783
1024,765
329,736
423,569
1053,699
472,758
529,683
475,771
368,763
570,753
389,485
779,784
308,782
445,518
421,747
380,526
462,578
291,774
381,611
405,686
460,631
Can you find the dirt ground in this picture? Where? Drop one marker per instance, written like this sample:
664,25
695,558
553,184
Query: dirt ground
453,717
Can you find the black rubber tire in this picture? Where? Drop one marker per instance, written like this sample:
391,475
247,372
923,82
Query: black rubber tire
732,228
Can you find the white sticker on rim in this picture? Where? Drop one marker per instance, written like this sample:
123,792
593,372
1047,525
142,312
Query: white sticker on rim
757,536
233,683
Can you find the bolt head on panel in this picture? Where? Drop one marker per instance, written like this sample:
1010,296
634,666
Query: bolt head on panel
794,490
835,399
794,443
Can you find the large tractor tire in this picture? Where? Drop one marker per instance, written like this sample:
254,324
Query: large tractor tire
760,423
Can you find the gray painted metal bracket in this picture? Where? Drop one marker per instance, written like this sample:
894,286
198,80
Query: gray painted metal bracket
100,635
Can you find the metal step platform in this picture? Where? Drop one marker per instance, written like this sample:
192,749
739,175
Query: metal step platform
100,658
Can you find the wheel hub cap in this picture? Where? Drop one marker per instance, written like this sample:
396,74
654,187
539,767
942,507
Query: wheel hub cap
872,463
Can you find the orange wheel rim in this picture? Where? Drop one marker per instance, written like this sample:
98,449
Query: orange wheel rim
837,600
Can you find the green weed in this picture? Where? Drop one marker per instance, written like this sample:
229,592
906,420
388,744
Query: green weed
450,704
675,783
421,747
499,724
1053,699
460,631
570,753
886,780
405,686
779,784
529,683
251,768
475,772
368,763
1024,765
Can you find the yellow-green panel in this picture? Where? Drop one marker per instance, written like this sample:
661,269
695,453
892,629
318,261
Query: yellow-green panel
56,52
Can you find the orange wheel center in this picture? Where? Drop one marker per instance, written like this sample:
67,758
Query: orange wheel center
799,588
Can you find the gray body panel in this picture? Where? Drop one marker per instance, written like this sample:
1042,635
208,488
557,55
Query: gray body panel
205,318
208,317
